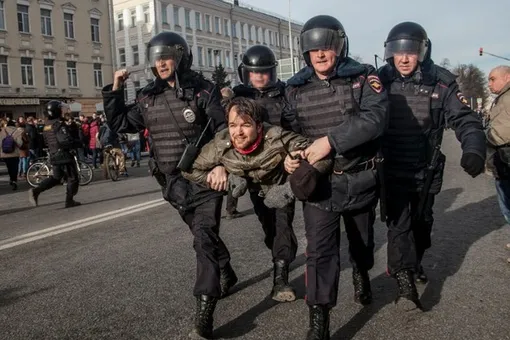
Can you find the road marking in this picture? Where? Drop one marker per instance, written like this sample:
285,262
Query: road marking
85,222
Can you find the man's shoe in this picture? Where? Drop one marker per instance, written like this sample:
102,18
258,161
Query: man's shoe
282,290
319,323
72,203
33,197
362,290
203,328
233,215
421,277
407,298
228,279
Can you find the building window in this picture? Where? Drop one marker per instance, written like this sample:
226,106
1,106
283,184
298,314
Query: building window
2,16
200,51
271,41
164,14
69,25
98,75
250,33
217,25
198,22
146,14
136,84
72,74
209,57
4,70
136,57
133,18
225,27
187,18
120,19
176,16
122,57
46,22
227,59
257,38
208,23
27,72
94,29
23,25
234,29
49,72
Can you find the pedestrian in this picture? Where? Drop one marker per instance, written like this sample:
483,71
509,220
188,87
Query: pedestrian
423,97
342,106
177,108
11,141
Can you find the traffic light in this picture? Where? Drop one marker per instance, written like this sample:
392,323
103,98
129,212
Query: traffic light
481,51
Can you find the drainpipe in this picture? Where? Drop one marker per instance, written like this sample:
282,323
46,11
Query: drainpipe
113,41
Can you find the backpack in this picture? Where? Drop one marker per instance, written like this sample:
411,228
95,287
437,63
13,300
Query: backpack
8,143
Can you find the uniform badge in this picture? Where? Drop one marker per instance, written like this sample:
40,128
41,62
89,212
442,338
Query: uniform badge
375,84
462,99
356,85
435,95
189,115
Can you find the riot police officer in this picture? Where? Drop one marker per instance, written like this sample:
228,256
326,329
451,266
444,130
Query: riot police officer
259,82
177,108
61,142
423,97
342,105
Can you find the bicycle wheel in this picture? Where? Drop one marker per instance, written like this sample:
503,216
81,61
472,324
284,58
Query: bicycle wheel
37,173
85,173
111,167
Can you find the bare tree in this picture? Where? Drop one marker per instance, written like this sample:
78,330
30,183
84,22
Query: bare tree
446,64
356,57
472,82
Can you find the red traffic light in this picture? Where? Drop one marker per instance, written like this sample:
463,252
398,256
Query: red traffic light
481,51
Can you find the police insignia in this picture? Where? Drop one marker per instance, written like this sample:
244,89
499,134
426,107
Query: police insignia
375,83
189,115
462,99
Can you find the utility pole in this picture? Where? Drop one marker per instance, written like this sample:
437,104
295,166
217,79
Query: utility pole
291,44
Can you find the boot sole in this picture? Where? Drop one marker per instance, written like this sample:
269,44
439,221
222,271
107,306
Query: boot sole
195,336
406,305
284,296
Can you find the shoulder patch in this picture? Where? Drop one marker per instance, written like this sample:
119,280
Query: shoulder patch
375,83
462,98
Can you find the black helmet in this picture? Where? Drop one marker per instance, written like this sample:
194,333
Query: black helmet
53,109
259,59
323,32
407,37
169,45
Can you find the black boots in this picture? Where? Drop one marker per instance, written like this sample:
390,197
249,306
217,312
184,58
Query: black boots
421,277
228,279
203,328
362,290
72,203
319,323
282,290
408,298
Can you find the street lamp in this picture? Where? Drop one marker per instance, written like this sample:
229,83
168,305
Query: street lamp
481,51
375,59
291,44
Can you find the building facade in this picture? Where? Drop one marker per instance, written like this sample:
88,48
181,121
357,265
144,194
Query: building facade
53,49
218,32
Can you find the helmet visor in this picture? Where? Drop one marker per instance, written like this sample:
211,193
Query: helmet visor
259,77
322,39
405,46
164,53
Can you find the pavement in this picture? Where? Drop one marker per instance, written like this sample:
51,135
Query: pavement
122,266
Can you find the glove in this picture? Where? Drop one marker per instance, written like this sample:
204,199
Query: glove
472,164
279,196
237,185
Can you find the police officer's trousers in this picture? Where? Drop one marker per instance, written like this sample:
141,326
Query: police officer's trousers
70,172
211,252
277,227
322,230
408,237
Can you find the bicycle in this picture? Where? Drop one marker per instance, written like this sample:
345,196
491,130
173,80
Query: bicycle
41,169
111,164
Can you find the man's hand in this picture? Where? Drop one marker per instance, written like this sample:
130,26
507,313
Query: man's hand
292,163
318,150
217,178
472,164
119,77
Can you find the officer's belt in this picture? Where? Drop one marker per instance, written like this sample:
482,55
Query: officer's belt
363,166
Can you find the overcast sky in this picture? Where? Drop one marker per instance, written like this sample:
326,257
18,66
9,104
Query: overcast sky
457,28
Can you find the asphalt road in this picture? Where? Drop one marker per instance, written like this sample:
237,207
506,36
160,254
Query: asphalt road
121,266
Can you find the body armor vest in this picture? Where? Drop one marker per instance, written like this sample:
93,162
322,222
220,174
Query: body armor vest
319,103
50,136
406,141
168,143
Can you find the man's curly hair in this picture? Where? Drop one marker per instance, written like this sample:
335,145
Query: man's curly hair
245,107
